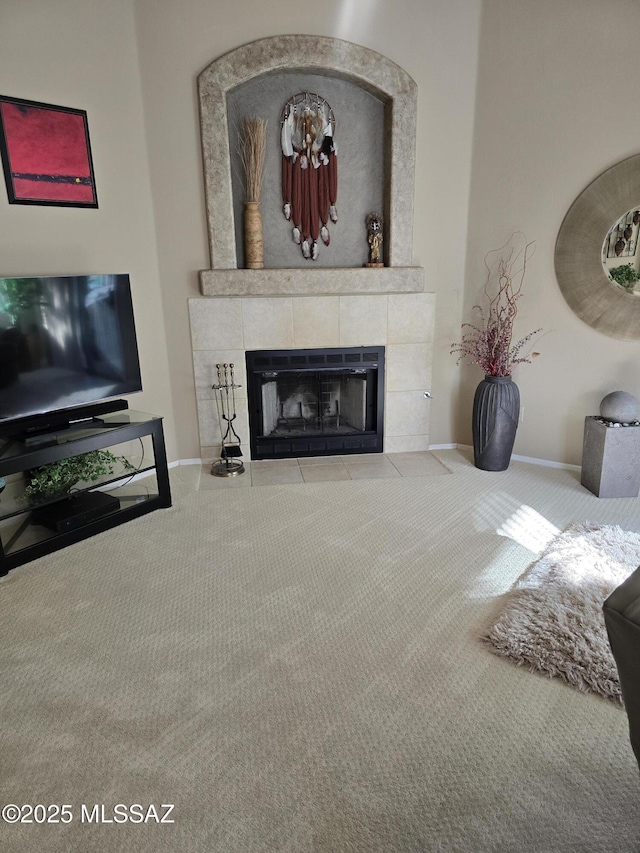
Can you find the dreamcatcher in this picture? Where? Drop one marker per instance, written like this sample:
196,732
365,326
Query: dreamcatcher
309,170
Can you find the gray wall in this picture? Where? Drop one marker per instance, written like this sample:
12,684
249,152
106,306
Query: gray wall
435,43
359,135
42,46
546,126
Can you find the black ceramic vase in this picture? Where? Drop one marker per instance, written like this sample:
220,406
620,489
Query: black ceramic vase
496,408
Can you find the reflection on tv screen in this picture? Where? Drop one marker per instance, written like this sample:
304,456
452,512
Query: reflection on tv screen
65,341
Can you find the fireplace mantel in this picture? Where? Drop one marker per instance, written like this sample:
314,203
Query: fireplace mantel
311,282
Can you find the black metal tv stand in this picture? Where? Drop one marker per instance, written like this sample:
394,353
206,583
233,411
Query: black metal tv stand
35,428
30,529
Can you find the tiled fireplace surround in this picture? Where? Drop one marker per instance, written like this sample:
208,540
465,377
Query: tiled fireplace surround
315,307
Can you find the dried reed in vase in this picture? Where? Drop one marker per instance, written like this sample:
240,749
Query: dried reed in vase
252,151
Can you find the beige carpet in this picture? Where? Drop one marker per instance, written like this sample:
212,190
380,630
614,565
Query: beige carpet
298,669
552,621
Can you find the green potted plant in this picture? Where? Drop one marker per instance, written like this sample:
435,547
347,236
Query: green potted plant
56,479
625,275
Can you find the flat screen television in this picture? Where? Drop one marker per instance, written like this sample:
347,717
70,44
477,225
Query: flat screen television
66,342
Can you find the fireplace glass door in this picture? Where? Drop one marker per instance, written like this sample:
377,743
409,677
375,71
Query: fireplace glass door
315,402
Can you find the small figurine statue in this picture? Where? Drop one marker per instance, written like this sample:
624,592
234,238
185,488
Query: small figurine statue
374,236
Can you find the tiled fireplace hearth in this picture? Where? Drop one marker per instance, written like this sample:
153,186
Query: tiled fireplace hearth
224,328
314,307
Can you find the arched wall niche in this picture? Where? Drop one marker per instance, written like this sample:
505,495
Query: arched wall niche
319,55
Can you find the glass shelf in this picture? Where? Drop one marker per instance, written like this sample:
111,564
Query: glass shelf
26,532
13,448
14,500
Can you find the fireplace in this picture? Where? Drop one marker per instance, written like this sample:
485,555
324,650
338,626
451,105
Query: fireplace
315,402
335,302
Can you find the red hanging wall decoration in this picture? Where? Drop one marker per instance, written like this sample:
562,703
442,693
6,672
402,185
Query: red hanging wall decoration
309,170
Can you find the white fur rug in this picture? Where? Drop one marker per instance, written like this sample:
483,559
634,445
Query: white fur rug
552,620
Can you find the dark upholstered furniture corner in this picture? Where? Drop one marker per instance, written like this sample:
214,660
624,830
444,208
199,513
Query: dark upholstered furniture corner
622,618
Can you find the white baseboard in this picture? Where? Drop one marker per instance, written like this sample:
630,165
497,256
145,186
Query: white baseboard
141,475
546,463
532,460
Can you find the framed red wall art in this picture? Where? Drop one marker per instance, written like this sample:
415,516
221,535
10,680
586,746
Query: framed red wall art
46,155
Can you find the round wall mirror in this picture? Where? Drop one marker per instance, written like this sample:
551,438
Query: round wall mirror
595,262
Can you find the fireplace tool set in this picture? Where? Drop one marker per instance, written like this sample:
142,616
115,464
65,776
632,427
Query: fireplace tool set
230,462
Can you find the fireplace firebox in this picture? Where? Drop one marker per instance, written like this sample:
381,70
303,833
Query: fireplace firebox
315,402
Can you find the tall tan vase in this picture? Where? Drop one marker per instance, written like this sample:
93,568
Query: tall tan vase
253,244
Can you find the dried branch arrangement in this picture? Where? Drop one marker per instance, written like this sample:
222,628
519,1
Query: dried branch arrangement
489,344
252,150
